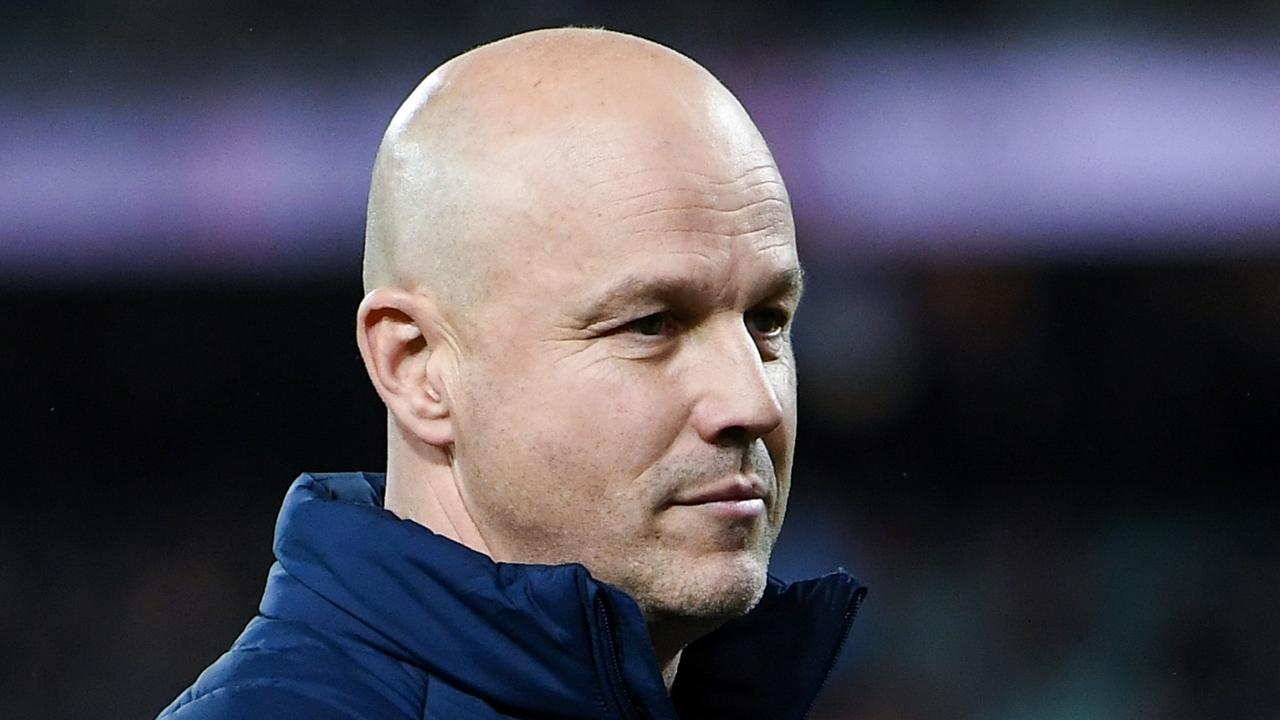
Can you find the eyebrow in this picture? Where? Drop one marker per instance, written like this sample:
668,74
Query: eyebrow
787,284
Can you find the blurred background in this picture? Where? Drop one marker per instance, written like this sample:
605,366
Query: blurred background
1039,354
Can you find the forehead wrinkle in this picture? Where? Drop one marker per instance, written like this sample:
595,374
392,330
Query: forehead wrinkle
694,207
679,170
784,244
749,209
745,233
687,188
658,191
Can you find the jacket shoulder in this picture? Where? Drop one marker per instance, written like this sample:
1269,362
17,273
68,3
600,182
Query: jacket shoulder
285,670
257,699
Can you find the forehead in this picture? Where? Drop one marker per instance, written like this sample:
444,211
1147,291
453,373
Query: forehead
710,199
717,227
624,197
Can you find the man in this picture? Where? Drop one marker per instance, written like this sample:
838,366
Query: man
581,270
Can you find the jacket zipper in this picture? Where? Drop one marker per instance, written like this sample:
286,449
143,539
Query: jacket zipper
617,685
846,624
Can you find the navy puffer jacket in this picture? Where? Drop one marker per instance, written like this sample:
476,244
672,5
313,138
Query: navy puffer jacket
367,616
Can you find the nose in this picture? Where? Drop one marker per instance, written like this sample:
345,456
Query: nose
736,400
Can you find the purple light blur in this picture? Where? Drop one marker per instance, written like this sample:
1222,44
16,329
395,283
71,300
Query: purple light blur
1053,148
901,151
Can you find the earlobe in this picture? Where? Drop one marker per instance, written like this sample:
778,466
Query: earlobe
399,337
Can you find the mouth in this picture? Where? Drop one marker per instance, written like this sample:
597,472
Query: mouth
740,497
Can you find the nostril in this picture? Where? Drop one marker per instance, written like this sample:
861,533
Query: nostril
734,436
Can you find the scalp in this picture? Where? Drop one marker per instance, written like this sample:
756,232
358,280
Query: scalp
505,139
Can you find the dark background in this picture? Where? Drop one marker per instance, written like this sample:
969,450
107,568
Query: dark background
1047,446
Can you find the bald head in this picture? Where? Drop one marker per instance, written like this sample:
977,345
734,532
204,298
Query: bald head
582,269
504,142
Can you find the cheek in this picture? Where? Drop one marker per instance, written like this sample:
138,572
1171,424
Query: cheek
781,442
782,378
625,419
582,420
589,439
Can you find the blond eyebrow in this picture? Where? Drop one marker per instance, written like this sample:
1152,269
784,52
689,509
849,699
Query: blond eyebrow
787,284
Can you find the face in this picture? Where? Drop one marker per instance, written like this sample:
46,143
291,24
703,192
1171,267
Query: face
627,398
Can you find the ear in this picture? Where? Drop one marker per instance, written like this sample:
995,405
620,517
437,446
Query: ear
400,339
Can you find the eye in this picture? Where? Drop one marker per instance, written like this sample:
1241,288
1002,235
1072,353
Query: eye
654,325
767,323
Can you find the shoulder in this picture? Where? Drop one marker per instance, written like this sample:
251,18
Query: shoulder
257,699
285,670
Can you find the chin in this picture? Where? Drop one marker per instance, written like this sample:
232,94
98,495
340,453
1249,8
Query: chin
715,589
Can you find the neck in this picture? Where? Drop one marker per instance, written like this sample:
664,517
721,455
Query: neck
421,488
670,634
669,670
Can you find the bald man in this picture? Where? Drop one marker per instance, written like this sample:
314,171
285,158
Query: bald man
581,274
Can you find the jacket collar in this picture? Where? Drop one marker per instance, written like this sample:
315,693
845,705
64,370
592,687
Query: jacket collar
535,639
